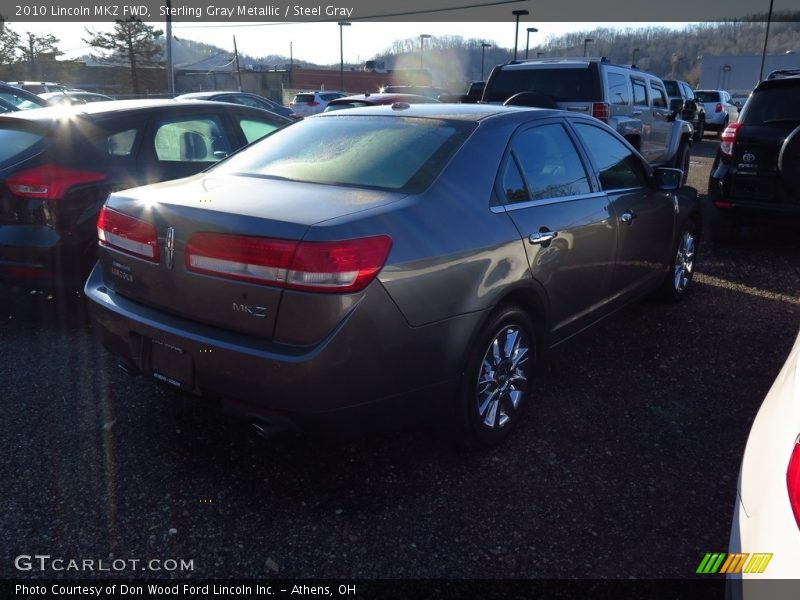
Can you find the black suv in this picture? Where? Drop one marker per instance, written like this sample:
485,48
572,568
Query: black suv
756,172
683,100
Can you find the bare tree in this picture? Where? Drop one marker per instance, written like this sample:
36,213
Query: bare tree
131,41
33,46
9,40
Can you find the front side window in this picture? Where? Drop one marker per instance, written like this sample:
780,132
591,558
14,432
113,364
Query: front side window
618,168
659,96
197,139
550,163
254,130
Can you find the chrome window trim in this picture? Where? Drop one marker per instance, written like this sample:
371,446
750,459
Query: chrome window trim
546,201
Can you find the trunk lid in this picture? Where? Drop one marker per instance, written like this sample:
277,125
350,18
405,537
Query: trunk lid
229,205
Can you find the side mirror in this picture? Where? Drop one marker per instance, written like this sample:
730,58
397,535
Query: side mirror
676,105
690,105
668,179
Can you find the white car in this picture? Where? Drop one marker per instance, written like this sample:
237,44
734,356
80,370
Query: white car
766,519
306,104
719,107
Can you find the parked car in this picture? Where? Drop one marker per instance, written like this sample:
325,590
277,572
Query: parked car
70,97
243,98
58,165
632,102
738,100
362,100
756,172
383,258
20,98
474,92
39,87
766,517
719,108
685,103
306,104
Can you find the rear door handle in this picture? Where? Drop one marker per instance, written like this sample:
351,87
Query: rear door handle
542,237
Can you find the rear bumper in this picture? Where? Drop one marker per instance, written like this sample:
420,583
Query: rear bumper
373,358
39,256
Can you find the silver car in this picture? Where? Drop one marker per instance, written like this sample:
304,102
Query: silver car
719,107
390,260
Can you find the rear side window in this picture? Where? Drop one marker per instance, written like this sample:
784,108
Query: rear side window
199,139
639,92
550,163
619,92
14,142
562,85
394,153
618,167
672,88
778,106
121,143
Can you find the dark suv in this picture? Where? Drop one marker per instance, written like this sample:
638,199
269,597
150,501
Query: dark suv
683,100
756,172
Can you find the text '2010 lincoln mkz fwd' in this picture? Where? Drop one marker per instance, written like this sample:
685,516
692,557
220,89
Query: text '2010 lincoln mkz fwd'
404,257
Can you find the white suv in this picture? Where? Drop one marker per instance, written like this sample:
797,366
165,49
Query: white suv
306,104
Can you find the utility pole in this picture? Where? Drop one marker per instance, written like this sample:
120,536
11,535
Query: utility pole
238,70
170,72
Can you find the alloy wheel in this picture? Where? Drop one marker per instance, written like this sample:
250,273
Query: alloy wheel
684,262
503,378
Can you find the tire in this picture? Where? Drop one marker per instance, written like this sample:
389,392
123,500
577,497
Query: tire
496,384
789,162
682,160
677,282
699,130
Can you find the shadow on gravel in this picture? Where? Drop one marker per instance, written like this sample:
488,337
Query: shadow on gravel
44,309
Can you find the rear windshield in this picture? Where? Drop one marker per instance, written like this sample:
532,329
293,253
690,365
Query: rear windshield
391,153
562,85
776,106
707,96
15,140
303,98
350,104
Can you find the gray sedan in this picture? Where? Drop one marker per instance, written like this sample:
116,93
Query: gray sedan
388,260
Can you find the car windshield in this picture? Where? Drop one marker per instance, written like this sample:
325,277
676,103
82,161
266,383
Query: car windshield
349,104
777,105
562,85
707,96
393,153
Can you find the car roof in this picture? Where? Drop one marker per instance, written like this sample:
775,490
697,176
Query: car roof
380,98
460,112
212,93
118,106
790,81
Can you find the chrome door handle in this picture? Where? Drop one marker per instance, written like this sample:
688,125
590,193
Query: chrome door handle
627,217
542,237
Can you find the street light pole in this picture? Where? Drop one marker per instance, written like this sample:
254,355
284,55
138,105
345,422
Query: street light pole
766,39
342,25
633,59
517,14
586,42
528,39
422,38
484,46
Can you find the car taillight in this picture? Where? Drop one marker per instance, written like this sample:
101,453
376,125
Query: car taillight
50,182
728,139
600,111
723,203
793,480
313,103
718,107
342,266
128,234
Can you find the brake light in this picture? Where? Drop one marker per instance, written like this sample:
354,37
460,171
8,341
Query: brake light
50,181
728,138
723,203
128,234
313,103
600,111
718,107
342,266
793,480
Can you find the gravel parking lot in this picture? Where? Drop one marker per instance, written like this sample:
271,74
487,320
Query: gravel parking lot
631,451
